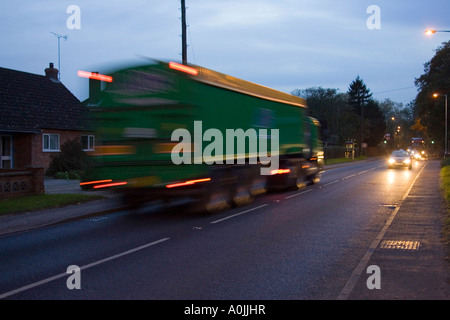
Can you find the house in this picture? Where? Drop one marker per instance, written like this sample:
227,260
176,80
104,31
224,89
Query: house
38,114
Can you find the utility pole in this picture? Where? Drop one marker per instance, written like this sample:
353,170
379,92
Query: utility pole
183,32
59,50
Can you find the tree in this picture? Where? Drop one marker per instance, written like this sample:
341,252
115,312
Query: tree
399,115
358,97
375,123
329,107
430,111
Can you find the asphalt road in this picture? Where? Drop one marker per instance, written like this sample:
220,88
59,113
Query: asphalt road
300,244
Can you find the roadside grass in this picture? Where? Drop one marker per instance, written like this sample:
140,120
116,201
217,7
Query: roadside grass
343,160
43,201
445,184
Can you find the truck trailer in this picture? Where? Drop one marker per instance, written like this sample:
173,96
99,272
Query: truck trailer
165,130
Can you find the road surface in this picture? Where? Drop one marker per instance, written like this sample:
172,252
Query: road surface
294,245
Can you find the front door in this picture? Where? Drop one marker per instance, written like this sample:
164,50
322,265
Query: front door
5,152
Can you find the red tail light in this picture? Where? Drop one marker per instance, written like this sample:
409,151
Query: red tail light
187,183
94,182
280,171
110,185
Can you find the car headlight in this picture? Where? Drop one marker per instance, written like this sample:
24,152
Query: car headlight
407,161
391,160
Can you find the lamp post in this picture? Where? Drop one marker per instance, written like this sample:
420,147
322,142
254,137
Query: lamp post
446,142
394,146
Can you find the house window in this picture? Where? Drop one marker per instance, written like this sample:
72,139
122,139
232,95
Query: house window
6,152
50,142
87,143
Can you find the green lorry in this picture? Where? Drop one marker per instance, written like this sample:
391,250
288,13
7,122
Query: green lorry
165,130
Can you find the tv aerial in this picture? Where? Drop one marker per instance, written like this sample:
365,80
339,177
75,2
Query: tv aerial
59,51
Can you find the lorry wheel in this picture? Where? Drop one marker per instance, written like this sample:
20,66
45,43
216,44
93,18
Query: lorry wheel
215,199
259,185
242,197
300,180
242,190
316,178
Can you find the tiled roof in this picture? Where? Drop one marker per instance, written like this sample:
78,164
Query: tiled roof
30,102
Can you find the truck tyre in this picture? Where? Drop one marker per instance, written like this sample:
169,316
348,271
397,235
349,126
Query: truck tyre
300,181
242,190
215,199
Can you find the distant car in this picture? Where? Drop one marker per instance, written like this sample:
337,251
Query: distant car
400,158
419,154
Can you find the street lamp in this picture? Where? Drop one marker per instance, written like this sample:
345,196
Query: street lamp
431,31
444,95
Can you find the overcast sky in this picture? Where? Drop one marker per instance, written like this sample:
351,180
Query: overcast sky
283,44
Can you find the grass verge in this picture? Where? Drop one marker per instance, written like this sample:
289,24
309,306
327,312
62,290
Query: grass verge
43,201
343,160
445,184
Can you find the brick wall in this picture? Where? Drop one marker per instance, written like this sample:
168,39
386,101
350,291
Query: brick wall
16,183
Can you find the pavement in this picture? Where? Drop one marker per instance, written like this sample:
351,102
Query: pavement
406,274
14,223
412,258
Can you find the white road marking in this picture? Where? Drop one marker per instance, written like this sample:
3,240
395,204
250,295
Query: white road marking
62,275
329,183
297,194
239,213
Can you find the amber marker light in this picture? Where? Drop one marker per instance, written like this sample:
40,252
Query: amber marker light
95,76
183,68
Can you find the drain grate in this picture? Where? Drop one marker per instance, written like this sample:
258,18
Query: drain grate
400,245
94,219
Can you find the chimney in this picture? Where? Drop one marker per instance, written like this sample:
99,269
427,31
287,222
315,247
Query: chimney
51,72
94,91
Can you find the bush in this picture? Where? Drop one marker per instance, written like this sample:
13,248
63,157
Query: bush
69,163
68,175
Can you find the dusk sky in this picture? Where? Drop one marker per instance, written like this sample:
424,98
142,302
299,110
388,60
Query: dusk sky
282,44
